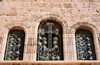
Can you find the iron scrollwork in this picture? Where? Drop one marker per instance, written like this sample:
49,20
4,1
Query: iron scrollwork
14,46
85,45
49,43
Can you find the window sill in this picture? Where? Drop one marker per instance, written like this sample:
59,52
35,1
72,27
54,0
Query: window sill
50,62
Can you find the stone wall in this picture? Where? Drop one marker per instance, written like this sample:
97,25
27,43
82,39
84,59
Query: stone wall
72,14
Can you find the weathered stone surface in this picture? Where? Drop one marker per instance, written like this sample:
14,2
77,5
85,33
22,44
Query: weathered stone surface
72,11
96,15
84,15
93,0
95,19
49,63
67,5
55,5
66,12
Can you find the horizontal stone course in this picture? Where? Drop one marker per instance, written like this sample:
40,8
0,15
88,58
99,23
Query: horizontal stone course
50,63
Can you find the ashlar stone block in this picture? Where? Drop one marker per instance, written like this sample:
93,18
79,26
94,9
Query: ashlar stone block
67,5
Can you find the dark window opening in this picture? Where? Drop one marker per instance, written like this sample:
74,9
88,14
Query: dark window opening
85,45
50,44
14,45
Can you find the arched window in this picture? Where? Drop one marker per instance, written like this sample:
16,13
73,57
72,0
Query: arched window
85,45
49,45
14,45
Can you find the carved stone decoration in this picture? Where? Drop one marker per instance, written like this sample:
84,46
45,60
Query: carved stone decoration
30,41
14,45
49,45
30,48
85,45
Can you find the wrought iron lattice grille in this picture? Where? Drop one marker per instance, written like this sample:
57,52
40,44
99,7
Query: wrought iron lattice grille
14,45
85,45
49,46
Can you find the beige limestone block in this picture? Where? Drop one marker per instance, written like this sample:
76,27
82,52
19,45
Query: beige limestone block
69,47
67,5
65,48
27,56
98,56
35,49
65,56
69,56
35,35
55,5
11,4
13,9
26,4
1,56
33,17
34,10
2,13
23,14
95,19
85,10
94,5
33,56
99,48
21,0
73,21
29,48
73,15
62,10
96,48
83,20
18,5
93,10
85,5
81,0
73,0
95,15
1,48
73,56
72,11
13,0
44,10
84,15
42,4
55,11
25,48
11,13
74,48
30,40
64,41
6,0
60,1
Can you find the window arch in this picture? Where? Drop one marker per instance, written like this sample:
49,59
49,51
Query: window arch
14,45
50,44
85,45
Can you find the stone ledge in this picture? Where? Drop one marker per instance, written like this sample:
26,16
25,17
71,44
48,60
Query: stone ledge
50,62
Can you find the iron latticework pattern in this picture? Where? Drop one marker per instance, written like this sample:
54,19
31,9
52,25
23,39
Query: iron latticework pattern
14,45
49,46
85,45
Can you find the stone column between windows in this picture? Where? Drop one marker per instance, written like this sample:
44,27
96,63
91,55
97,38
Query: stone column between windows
3,46
30,47
71,47
96,45
3,40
